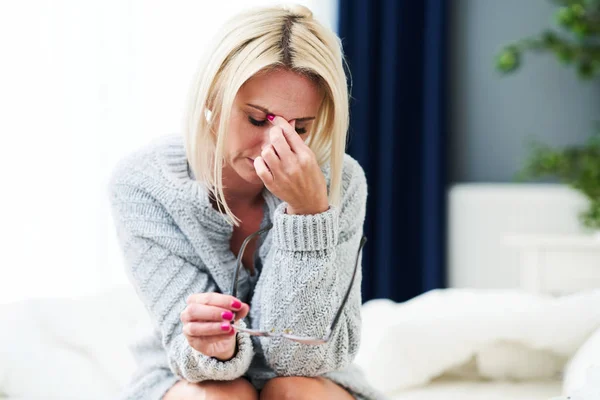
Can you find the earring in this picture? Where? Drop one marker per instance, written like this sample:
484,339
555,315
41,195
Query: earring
207,114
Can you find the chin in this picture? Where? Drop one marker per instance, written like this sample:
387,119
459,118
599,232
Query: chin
250,176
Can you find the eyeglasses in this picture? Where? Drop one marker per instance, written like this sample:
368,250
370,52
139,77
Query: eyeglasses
287,334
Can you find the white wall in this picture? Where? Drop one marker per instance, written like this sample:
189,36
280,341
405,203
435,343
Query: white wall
82,83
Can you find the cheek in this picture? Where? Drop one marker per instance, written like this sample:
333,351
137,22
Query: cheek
243,139
243,143
235,135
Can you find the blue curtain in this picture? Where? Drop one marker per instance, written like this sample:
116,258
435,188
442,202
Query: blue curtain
396,53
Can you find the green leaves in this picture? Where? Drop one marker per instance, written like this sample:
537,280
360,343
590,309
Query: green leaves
586,70
566,55
591,217
564,16
577,166
508,60
579,44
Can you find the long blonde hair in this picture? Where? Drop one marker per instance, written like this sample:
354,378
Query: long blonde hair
255,41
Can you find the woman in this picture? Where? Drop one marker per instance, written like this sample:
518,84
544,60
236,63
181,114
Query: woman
263,147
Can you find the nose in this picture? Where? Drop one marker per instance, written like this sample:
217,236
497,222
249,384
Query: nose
266,137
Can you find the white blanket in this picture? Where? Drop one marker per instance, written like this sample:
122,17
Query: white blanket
478,390
494,334
59,348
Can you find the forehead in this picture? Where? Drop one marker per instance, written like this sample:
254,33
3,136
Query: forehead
284,93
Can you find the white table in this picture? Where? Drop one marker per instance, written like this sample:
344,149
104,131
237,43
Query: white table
557,264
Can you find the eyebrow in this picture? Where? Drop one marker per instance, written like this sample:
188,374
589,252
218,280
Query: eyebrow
268,112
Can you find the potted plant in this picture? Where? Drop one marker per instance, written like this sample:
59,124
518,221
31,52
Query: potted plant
578,45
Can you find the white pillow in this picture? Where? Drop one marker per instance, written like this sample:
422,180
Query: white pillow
585,362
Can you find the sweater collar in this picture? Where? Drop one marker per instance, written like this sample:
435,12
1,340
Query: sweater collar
211,230
177,170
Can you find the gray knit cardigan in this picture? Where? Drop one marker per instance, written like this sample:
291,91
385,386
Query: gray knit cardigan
176,244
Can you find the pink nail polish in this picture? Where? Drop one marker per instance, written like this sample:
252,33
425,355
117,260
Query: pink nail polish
227,315
270,117
236,304
225,326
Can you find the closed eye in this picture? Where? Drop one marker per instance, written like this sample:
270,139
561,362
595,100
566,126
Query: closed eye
254,122
257,123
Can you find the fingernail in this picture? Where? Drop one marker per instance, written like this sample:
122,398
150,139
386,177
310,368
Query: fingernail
270,117
236,304
227,315
225,326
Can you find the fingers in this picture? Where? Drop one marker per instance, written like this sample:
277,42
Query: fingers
214,307
294,141
271,159
280,143
208,328
199,312
216,299
211,314
242,313
262,170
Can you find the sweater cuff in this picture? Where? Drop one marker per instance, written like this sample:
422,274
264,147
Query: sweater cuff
231,369
305,232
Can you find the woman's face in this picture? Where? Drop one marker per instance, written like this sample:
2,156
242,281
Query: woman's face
279,92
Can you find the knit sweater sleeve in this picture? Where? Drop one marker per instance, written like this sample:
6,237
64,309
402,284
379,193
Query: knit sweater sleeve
164,271
306,276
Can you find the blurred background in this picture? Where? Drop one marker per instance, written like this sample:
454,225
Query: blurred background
473,119
83,83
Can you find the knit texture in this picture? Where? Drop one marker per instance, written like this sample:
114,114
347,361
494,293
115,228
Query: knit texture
175,243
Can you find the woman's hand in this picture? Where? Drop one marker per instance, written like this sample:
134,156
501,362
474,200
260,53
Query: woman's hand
207,323
290,171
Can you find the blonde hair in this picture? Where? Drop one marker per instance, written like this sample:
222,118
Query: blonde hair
254,41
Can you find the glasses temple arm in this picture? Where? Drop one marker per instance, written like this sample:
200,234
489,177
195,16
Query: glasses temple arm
340,309
238,264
